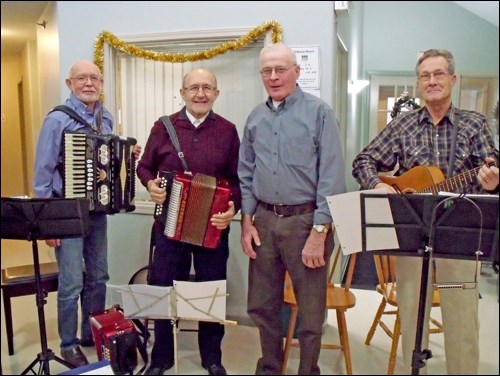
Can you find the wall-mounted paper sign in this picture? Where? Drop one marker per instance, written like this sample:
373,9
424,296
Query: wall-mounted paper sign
308,59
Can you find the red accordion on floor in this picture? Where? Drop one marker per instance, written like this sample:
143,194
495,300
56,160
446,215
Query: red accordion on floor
115,339
191,202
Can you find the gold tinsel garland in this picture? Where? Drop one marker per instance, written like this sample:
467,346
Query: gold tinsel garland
113,41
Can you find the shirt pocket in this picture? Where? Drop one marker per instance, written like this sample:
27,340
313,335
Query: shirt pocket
417,155
462,155
299,151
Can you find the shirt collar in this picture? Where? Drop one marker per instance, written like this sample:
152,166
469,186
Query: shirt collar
192,118
288,101
81,107
452,115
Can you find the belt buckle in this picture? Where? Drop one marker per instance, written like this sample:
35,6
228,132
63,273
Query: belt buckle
275,213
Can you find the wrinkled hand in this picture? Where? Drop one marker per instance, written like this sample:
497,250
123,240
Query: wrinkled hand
53,242
249,236
314,250
137,150
222,220
488,176
158,195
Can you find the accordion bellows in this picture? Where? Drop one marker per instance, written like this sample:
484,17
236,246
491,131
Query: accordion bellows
191,202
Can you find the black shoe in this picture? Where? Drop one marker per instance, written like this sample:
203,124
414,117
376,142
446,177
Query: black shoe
87,343
75,357
215,368
157,370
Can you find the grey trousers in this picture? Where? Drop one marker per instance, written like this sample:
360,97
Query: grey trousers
282,241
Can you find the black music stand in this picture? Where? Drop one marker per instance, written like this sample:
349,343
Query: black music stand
38,219
459,227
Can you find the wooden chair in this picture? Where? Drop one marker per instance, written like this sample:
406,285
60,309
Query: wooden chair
338,298
386,272
20,281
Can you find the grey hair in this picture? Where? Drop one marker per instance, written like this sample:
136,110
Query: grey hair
435,53
279,48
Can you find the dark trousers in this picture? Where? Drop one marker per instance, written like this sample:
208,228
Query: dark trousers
172,261
282,241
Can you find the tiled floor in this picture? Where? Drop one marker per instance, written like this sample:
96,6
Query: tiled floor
241,343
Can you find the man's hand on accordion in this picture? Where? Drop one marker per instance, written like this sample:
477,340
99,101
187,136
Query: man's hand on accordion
222,220
137,150
158,195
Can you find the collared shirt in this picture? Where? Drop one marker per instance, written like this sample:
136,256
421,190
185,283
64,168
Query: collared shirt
194,121
413,140
47,179
291,155
210,149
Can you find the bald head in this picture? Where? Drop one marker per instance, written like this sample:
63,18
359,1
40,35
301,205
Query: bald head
199,72
83,66
85,82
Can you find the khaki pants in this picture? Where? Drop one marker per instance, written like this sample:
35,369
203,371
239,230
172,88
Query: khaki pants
459,308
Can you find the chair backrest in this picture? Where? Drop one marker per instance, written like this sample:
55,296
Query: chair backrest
351,263
386,273
386,269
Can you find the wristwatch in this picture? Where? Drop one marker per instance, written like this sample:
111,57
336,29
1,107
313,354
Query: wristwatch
322,229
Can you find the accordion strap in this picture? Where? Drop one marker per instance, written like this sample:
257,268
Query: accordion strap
175,141
72,114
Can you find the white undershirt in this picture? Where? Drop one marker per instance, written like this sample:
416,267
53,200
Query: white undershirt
194,121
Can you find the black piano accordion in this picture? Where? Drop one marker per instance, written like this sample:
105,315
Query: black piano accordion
101,168
115,339
191,201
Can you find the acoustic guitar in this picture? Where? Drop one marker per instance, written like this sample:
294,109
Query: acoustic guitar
430,179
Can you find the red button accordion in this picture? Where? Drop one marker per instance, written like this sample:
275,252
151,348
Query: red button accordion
100,168
191,202
115,339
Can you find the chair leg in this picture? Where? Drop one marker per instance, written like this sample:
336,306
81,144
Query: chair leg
8,322
376,320
344,340
394,348
289,336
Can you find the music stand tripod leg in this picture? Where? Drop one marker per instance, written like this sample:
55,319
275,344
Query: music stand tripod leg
46,355
38,219
420,356
176,358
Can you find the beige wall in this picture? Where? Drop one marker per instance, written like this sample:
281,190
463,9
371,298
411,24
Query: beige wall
17,173
32,115
12,163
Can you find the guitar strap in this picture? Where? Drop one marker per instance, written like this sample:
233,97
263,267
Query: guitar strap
451,162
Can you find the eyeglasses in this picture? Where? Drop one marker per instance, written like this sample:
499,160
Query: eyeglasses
267,72
205,88
438,76
83,79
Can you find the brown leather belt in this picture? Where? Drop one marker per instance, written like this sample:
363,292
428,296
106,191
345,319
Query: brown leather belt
289,210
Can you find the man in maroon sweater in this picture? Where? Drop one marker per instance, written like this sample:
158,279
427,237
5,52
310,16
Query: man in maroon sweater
210,145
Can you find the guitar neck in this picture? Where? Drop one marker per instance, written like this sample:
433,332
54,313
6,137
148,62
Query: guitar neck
456,182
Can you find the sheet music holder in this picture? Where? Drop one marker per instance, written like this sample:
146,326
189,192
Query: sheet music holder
198,301
38,219
457,227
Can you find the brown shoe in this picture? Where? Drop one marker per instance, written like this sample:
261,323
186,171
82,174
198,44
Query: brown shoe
75,356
